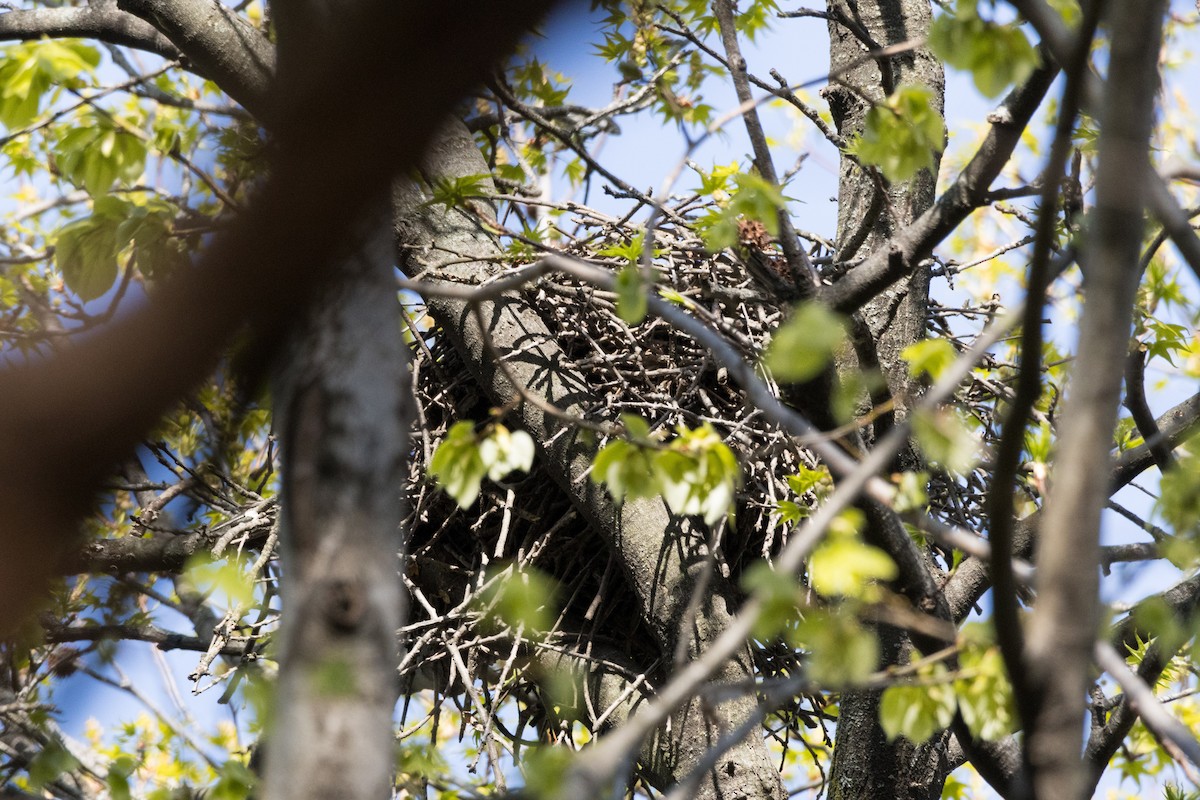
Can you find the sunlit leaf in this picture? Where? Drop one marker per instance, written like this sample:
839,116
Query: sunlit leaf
929,357
945,439
902,134
631,294
522,600
627,469
457,465
984,694
804,345
997,56
780,595
840,651
916,712
843,566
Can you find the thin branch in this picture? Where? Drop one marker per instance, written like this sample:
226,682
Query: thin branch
797,260
1000,505
1165,727
1139,409
163,639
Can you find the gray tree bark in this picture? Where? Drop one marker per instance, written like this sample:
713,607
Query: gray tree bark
1065,618
865,764
341,405
869,214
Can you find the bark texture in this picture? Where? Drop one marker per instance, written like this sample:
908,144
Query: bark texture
870,213
865,764
1063,627
341,405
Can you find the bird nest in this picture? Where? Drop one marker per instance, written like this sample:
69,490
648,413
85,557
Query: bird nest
648,369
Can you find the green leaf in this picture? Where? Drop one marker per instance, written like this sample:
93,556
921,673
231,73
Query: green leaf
65,60
804,344
929,357
841,652
997,56
223,576
1179,502
718,228
843,566
417,761
718,179
780,594
237,781
97,154
698,474
504,452
1158,620
789,513
810,480
50,763
754,198
118,778
455,192
632,250
545,768
631,294
916,712
463,458
627,469
29,69
636,428
522,601
757,18
457,466
1167,340
758,199
910,492
86,254
984,694
945,439
902,134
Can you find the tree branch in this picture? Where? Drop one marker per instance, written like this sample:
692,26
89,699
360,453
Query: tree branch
222,46
1139,409
165,640
797,260
1000,506
1140,700
971,580
1062,630
53,453
915,242
104,23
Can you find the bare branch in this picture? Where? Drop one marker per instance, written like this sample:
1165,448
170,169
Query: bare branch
1173,734
97,21
1061,633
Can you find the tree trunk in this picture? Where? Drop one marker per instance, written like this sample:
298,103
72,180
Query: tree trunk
865,764
341,401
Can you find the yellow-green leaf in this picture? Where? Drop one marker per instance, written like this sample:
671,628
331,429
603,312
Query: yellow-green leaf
804,344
